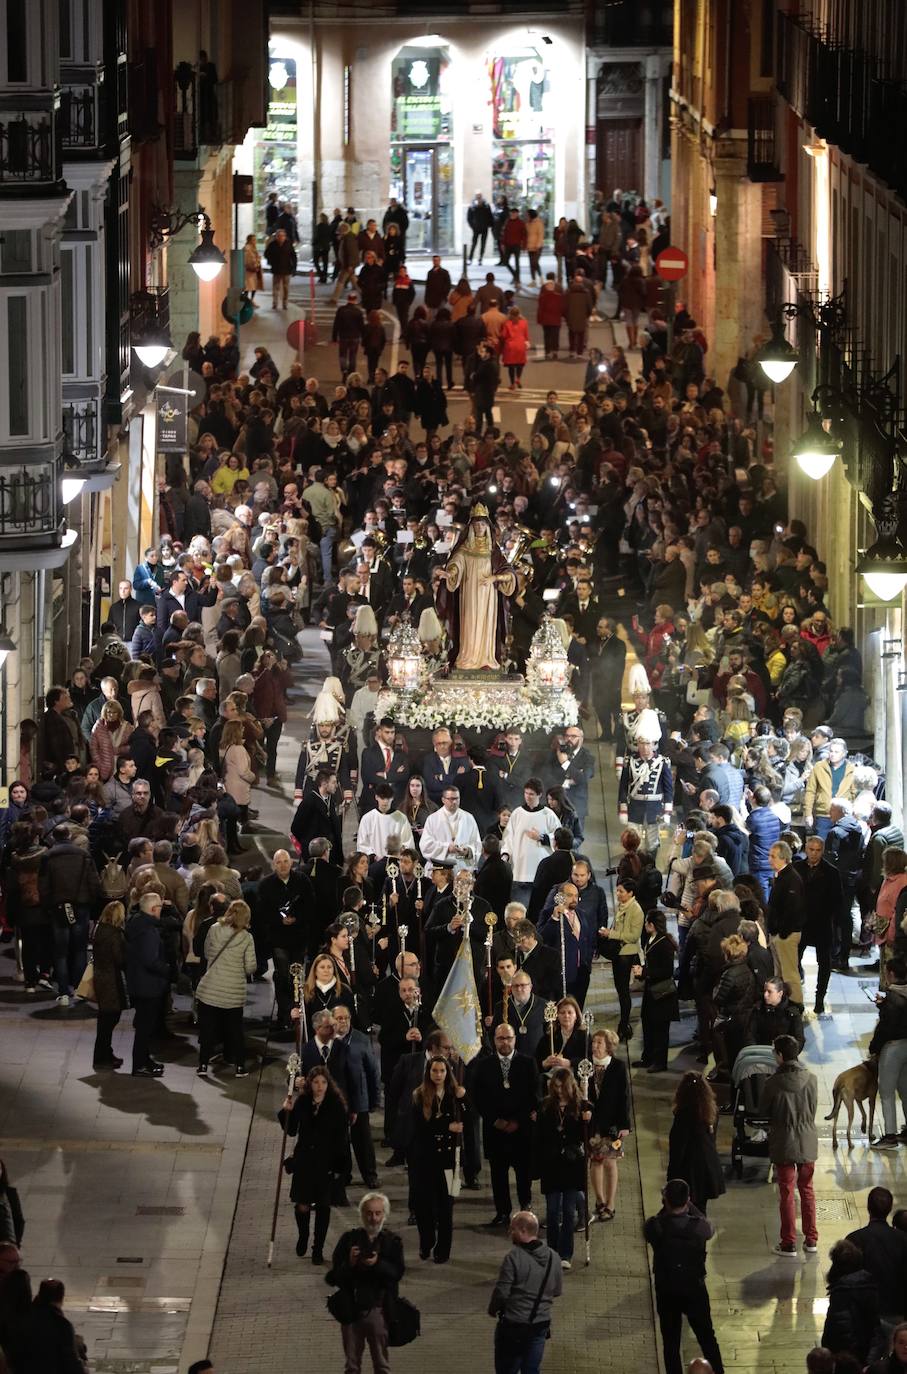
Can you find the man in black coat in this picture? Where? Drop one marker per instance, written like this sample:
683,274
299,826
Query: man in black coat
364,1087
823,897
733,843
844,845
443,932
404,1026
884,1251
479,791
284,900
325,877
180,596
678,1236
323,1048
317,816
784,917
551,872
540,961
505,1091
513,765
148,980
346,333
123,613
494,877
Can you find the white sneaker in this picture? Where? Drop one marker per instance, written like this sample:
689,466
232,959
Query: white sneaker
62,1001
565,1264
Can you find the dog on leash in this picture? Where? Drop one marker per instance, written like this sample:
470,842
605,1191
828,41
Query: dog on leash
854,1087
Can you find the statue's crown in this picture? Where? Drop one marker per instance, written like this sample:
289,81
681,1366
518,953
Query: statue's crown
480,510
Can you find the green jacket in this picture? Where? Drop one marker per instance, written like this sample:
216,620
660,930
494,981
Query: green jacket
627,927
789,1100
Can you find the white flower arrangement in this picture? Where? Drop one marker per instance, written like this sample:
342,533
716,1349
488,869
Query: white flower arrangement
476,707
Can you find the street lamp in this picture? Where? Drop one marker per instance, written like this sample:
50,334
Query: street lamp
207,259
70,488
883,566
816,450
777,358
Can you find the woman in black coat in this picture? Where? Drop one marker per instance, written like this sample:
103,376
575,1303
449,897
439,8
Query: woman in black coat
735,997
318,1119
568,1039
109,955
560,1159
659,998
436,1131
852,1319
431,403
441,343
609,1094
692,1152
774,1016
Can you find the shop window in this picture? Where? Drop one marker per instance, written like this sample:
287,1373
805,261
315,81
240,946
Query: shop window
523,132
275,161
421,158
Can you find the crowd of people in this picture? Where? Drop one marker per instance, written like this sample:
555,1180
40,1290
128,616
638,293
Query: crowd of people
647,523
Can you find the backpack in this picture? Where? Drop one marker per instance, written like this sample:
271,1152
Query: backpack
649,886
114,883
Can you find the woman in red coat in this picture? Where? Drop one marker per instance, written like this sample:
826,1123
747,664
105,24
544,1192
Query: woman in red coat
269,702
514,346
549,314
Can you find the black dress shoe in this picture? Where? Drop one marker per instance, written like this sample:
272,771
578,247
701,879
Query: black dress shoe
472,1185
411,1219
146,1071
499,1220
640,1064
395,1162
373,1182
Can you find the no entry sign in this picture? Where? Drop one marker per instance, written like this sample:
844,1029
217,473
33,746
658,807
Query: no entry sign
672,264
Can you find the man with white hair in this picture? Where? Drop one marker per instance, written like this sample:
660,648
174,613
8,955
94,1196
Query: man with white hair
366,1267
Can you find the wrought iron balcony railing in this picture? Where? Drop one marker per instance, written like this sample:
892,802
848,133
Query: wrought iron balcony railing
80,431
29,503
82,117
762,162
30,142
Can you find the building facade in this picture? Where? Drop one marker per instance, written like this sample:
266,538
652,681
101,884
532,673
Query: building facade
789,190
376,106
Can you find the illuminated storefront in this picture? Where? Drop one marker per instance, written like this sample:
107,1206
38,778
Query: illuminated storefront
275,164
421,163
522,132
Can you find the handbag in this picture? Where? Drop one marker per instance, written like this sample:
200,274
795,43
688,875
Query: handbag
86,983
341,1306
610,948
404,1321
664,987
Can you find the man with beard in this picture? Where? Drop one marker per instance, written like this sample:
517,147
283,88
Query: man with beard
367,1266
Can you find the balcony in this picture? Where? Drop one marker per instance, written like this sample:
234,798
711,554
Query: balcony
30,142
203,114
81,111
842,93
80,432
29,504
762,151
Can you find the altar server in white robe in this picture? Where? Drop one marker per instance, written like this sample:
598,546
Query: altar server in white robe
527,837
377,824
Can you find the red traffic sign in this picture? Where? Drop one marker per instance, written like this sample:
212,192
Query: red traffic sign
301,333
672,264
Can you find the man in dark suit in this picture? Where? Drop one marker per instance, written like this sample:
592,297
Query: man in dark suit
443,931
525,1012
364,1088
324,1048
551,872
884,1251
381,762
571,766
607,659
505,1089
584,608
541,963
494,876
440,769
513,766
285,900
317,816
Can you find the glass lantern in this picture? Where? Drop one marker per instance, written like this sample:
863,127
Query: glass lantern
548,669
405,664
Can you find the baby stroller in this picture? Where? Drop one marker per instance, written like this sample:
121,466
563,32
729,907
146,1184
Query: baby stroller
753,1065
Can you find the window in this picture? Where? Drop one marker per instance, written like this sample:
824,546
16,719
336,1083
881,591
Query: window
16,41
67,303
15,250
17,354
